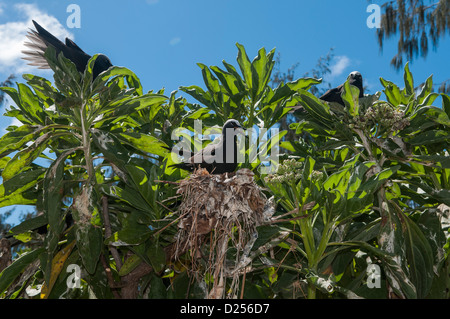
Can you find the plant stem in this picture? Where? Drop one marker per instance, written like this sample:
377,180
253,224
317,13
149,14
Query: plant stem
87,145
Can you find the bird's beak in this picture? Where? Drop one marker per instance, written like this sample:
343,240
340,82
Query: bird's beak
237,128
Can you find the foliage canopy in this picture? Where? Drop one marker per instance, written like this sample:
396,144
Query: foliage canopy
369,184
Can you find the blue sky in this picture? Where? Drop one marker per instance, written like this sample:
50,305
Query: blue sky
162,40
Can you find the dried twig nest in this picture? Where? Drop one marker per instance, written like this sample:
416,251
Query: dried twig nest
218,219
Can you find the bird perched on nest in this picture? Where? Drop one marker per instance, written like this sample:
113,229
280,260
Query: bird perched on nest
214,156
334,95
41,39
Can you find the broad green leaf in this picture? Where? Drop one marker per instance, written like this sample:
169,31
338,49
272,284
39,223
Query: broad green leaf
25,157
29,104
110,146
127,106
30,224
350,96
42,85
131,197
227,79
57,266
88,230
303,83
134,231
439,195
129,265
392,91
316,108
429,99
10,273
199,94
210,80
434,231
245,66
53,186
419,255
144,143
430,137
446,104
89,243
16,190
427,88
408,78
261,69
28,197
157,256
437,160
132,80
141,182
239,82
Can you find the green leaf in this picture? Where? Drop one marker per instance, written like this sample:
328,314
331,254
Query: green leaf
14,140
316,108
245,66
446,104
228,80
24,158
418,253
9,274
437,160
53,186
30,224
409,82
132,80
132,197
427,88
29,104
89,243
126,107
199,94
42,85
430,137
261,69
129,265
303,83
392,91
157,257
144,143
110,146
135,230
13,191
210,80
350,96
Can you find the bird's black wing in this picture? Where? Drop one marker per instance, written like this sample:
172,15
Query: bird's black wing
203,158
73,45
333,95
205,155
41,39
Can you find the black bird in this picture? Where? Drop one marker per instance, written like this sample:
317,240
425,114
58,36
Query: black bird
334,95
214,156
41,39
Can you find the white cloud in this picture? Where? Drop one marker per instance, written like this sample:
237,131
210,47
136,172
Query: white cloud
342,62
175,41
13,35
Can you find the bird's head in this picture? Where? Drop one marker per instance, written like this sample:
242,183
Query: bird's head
231,124
102,63
354,77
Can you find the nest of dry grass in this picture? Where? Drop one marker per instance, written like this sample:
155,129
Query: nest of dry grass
217,227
